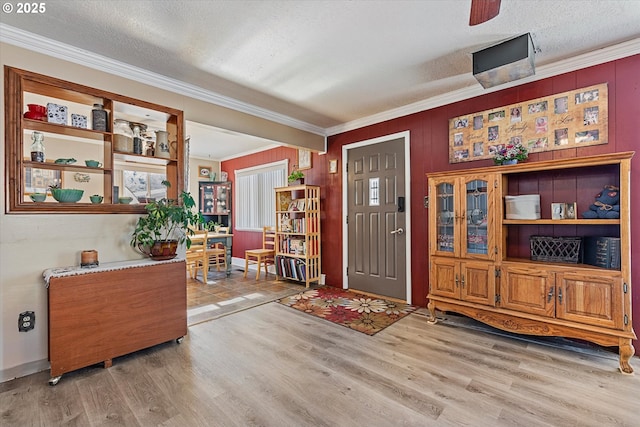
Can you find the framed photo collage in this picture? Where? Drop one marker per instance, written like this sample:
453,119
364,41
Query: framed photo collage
565,120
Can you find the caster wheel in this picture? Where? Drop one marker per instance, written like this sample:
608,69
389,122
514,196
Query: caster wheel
179,340
53,381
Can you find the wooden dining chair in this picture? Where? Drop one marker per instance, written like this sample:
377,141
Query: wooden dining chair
217,252
196,257
263,256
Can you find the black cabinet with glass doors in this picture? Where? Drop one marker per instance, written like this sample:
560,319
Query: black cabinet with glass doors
215,202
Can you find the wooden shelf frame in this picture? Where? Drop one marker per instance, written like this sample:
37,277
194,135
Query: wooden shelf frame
307,229
20,83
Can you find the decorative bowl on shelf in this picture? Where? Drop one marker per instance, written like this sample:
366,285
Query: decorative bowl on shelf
125,200
38,197
96,199
65,161
146,199
67,195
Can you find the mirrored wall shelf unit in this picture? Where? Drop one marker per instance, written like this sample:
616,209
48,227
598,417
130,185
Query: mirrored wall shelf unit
60,136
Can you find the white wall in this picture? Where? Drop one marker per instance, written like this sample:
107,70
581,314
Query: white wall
30,244
194,179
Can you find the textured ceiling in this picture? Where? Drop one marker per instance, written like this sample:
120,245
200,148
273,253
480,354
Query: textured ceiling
325,63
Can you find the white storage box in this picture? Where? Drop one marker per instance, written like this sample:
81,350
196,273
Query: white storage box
522,207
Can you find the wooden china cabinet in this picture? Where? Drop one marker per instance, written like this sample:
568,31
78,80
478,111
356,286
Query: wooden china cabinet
462,264
480,262
215,202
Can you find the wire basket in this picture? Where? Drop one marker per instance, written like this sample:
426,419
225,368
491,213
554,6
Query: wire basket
556,249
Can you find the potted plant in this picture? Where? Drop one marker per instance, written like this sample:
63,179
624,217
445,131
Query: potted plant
211,226
167,224
296,176
511,154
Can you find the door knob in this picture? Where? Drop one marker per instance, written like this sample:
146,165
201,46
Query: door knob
398,231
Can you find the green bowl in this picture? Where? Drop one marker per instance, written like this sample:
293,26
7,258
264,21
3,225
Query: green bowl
125,200
38,197
67,195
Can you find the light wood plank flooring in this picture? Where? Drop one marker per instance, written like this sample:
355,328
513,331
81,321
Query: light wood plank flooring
223,295
274,366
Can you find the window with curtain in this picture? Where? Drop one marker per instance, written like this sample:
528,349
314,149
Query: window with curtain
254,199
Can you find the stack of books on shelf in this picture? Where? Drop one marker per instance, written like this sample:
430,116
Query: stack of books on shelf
291,268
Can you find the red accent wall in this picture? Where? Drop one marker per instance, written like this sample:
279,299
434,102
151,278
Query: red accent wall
430,153
243,240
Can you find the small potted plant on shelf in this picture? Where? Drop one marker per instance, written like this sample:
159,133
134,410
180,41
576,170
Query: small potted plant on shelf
511,154
167,224
296,176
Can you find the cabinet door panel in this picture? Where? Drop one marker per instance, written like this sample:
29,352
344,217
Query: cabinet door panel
443,278
477,217
442,218
595,301
478,282
528,290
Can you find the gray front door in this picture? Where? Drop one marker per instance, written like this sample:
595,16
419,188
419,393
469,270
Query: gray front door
376,219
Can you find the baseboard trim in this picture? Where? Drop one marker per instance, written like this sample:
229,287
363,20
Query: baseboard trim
24,370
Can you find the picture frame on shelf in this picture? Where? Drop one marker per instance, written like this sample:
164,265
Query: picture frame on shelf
39,180
304,159
204,171
564,210
557,210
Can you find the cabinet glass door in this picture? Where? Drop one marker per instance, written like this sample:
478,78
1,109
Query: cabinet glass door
207,201
445,217
215,202
476,217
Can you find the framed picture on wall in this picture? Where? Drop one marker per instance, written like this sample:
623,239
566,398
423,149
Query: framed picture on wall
333,166
304,159
204,171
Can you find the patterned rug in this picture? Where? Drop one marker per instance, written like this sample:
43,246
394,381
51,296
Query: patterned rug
360,312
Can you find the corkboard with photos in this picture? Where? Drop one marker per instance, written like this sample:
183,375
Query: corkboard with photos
566,120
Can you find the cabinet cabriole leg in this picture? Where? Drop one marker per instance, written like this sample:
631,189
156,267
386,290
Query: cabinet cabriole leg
108,363
432,312
626,350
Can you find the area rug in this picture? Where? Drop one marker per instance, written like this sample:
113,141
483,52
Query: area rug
359,312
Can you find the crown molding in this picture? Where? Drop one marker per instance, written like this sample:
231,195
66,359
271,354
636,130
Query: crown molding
596,57
43,45
89,59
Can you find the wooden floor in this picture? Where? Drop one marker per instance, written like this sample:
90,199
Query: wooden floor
223,295
274,366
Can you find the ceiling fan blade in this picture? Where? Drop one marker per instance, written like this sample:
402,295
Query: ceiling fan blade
483,10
